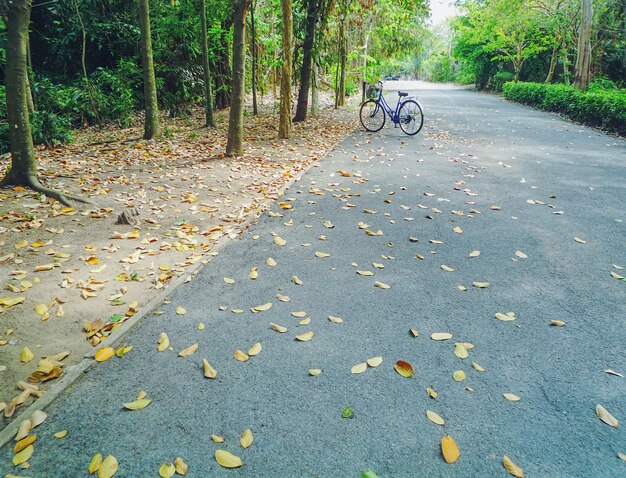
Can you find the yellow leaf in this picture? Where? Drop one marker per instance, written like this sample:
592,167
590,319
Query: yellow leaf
365,273
108,468
435,418
305,337
458,230
359,368
200,325
228,280
461,351
279,241
622,456
404,368
431,393
447,268
414,332
227,460
511,397
61,434
181,310
164,342
474,254
240,356
458,376
92,260
41,309
305,321
254,274
381,285
557,323
217,439
270,262
375,361
262,308
45,366
138,404
181,466
167,470
322,255
104,353
296,281
188,351
314,372
24,455
477,367
255,349
299,314
512,468
44,268
278,328
246,438
449,449
123,350
480,285
209,372
509,316
26,355
7,302
335,320
606,417
420,257
95,463
579,240
441,336
24,442
21,244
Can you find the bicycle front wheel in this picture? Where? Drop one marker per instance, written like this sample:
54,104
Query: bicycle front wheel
372,116
410,117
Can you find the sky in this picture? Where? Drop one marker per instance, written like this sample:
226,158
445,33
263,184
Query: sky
440,9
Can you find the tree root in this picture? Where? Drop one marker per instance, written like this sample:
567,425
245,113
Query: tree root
31,181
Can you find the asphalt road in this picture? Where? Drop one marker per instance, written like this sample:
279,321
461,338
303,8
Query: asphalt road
533,181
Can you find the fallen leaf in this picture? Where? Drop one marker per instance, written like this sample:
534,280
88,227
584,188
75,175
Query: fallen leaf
167,470
461,351
435,418
181,310
375,361
181,466
255,349
511,397
314,372
441,336
480,285
240,356
278,328
262,307
246,438
163,341
279,241
449,449
305,337
227,460
404,368
95,463
296,281
477,367
322,255
458,376
335,320
364,273
254,274
137,404
26,355
381,285
217,439
431,393
359,368
104,353
606,417
521,255
24,455
108,468
622,456
270,262
512,468
613,372
283,298
414,332
188,351
24,442
60,434
37,418
347,412
209,372
557,323
474,254
509,316
228,280
579,240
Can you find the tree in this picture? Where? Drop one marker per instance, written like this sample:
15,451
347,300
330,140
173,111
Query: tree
583,60
151,124
234,144
208,95
284,125
312,15
23,171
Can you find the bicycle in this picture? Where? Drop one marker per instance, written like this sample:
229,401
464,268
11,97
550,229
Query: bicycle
408,113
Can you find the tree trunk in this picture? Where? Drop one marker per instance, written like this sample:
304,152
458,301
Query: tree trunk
23,171
315,91
284,125
255,110
151,124
364,81
208,96
341,95
234,145
94,108
224,73
553,59
583,60
29,88
305,72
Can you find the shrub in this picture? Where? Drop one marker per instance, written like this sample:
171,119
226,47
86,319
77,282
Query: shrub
50,129
605,108
500,79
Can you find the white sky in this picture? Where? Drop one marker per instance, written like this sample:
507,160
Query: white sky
441,9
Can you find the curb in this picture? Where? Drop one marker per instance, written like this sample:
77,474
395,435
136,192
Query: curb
74,372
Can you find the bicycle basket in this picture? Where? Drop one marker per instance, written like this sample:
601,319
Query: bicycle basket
373,93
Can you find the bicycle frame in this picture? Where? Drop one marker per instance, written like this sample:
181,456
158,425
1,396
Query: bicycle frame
382,102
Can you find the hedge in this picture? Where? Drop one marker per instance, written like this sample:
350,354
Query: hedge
602,108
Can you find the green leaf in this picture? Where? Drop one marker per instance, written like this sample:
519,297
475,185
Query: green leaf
116,318
347,412
368,474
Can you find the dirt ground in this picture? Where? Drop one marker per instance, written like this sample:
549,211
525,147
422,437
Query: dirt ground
70,276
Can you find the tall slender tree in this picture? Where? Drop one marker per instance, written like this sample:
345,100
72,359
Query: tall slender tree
234,145
284,125
312,15
151,124
583,60
208,94
23,171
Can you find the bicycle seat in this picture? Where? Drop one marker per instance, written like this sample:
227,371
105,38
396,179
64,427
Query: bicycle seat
402,93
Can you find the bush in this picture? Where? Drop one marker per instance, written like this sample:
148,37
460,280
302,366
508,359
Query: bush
50,129
500,79
605,108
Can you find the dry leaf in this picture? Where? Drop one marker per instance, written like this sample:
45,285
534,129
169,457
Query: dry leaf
181,310
521,255
246,438
381,285
217,439
138,404
262,307
270,262
403,368
24,455
458,376
278,328
283,298
108,468
254,274
512,468
364,273
449,449
95,463
441,336
209,372
579,240
335,320
24,442
511,397
240,356
435,418
375,361
480,285
255,349
477,367
314,372
104,353
188,351
167,470
228,280
305,337
622,456
26,355
279,241
509,316
60,434
431,393
474,254
296,281
606,417
180,466
163,341
227,460
557,323
359,368
461,351
447,268
322,255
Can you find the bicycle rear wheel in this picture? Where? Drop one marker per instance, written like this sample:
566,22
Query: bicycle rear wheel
372,116
410,117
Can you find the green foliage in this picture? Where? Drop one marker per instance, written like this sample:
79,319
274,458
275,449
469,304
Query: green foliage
50,129
116,92
500,79
604,108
